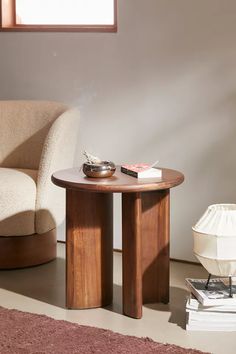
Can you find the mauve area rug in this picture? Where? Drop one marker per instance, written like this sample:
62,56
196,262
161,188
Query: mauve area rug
26,333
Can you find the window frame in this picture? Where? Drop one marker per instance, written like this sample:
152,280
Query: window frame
8,22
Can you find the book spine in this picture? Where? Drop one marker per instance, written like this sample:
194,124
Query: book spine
190,327
227,317
129,172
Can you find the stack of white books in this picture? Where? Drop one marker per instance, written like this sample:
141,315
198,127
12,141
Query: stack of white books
210,309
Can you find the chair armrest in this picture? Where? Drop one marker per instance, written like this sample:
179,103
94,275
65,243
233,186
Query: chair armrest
58,153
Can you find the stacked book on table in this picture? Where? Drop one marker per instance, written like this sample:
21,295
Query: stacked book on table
210,309
142,170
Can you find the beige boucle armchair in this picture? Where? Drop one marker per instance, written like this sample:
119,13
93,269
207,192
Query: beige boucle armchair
36,139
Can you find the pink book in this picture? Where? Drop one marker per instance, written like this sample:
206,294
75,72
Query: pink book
141,170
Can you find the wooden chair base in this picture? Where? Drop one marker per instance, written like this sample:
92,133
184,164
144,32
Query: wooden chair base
27,251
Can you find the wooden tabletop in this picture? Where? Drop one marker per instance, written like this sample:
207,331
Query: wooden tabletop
75,179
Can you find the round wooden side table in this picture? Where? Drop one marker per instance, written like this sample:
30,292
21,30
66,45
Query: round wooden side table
89,238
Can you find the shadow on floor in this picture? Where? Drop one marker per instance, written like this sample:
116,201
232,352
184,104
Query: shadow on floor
44,283
116,306
176,306
178,297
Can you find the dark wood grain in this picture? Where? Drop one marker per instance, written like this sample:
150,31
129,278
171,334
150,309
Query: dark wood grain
155,246
145,244
119,182
89,242
132,254
27,251
145,237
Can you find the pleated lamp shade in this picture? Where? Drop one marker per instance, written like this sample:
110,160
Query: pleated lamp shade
215,239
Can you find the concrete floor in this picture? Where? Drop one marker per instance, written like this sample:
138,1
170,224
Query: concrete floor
41,290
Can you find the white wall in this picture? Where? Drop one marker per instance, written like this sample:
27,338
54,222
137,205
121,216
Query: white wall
163,87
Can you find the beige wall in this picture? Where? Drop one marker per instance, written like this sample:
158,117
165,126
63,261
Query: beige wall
163,87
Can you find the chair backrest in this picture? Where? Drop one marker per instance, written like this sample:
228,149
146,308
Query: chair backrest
23,128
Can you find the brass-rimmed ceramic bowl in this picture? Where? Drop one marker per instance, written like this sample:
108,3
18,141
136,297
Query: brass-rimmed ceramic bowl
99,170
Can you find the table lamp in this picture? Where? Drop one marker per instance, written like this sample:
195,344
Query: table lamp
215,241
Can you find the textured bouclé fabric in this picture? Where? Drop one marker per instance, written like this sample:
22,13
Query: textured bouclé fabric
25,333
17,201
58,154
41,137
24,126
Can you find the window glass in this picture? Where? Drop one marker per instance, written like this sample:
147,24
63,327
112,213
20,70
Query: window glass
65,12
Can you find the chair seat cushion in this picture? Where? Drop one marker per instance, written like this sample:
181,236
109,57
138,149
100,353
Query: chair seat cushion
17,201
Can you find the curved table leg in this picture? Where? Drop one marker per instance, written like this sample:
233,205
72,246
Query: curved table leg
131,254
89,246
145,229
155,246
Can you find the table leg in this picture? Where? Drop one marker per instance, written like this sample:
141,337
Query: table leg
131,254
89,246
145,229
155,246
